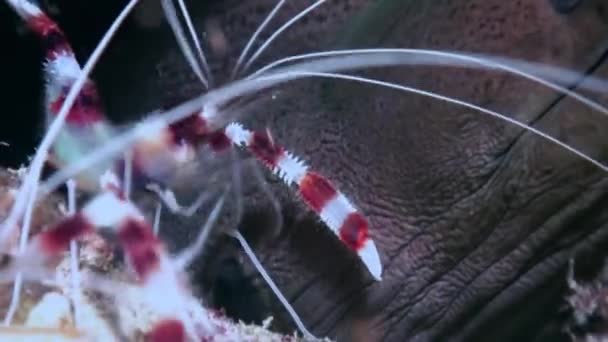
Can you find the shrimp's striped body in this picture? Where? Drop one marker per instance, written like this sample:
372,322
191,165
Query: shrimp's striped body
155,156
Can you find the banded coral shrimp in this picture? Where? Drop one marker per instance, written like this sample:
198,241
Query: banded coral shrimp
311,71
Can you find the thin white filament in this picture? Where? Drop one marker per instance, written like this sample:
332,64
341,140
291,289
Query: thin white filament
472,62
171,15
237,185
27,191
185,258
555,73
167,197
276,206
260,268
15,299
23,240
219,96
255,35
197,43
193,208
74,264
281,30
464,104
128,174
157,213
71,185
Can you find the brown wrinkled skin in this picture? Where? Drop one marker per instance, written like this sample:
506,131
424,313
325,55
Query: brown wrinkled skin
474,218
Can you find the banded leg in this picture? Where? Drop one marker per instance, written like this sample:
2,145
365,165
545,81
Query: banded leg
144,253
60,68
332,206
86,126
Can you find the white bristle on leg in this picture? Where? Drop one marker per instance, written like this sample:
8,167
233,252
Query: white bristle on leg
290,169
237,134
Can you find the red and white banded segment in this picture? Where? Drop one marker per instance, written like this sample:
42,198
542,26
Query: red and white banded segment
333,207
61,68
330,204
85,125
144,252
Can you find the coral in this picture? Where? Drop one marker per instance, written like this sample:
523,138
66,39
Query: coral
110,308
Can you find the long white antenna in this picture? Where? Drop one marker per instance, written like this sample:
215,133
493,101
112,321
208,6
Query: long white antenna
171,15
260,268
197,43
281,30
76,291
468,60
185,258
255,36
